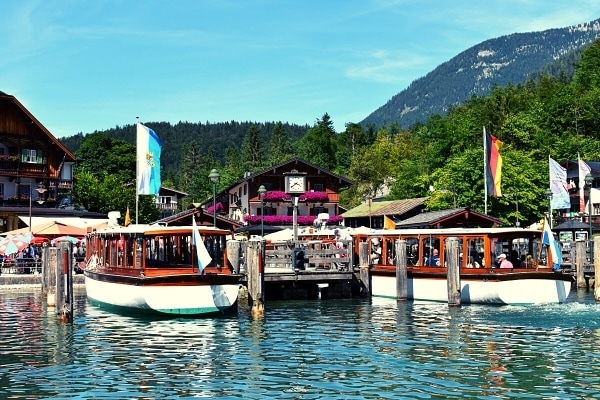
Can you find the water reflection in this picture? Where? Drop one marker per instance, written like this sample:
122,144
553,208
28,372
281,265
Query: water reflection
320,349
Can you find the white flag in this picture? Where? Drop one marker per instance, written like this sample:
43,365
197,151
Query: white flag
201,253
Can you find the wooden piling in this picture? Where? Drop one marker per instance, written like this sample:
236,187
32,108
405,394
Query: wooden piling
49,274
580,252
596,267
453,271
233,255
363,266
64,282
401,273
256,279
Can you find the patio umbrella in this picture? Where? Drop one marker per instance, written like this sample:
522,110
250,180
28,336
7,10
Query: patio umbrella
14,243
66,238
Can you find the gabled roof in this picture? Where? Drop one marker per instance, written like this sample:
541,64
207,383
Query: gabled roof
293,164
455,217
8,98
389,208
166,190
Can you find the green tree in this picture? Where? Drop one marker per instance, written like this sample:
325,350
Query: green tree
280,146
252,150
318,144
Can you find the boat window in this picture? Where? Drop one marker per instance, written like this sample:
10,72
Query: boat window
474,252
390,251
431,256
412,251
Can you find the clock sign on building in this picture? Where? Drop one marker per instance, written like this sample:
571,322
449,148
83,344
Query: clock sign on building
295,182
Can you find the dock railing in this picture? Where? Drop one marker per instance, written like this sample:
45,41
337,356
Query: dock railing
313,256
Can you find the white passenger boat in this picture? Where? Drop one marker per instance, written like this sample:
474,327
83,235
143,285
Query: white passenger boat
165,270
529,281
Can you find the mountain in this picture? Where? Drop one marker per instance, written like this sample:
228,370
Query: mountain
510,59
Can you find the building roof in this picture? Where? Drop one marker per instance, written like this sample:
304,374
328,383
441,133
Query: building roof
389,208
294,162
455,217
69,156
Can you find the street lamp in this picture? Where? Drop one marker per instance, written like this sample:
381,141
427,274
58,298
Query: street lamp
40,189
549,197
369,201
588,183
261,193
214,178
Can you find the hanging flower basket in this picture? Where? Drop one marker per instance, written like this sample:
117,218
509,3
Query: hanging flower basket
276,195
314,197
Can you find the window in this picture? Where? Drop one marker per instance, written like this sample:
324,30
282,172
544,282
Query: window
318,187
30,156
1,190
24,191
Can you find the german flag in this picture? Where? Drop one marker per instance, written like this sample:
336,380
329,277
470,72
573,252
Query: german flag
493,167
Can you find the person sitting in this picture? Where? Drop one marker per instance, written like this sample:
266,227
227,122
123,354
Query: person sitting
473,263
433,260
375,251
514,258
504,263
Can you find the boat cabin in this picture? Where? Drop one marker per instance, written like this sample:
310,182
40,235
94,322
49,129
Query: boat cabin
478,247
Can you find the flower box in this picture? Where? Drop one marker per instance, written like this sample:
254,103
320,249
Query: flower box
288,219
276,195
314,197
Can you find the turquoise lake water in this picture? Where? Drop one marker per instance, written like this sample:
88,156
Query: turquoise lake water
333,349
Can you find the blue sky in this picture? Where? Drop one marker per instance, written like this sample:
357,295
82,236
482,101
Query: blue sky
81,66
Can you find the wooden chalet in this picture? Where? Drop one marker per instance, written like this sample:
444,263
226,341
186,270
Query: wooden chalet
239,206
36,170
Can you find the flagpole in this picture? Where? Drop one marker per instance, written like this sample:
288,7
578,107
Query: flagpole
485,163
137,173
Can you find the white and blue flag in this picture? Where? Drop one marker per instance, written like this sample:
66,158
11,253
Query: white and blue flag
201,253
148,160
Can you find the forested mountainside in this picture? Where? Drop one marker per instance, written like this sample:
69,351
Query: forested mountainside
210,136
510,59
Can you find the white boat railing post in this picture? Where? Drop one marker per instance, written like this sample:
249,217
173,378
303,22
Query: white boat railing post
453,271
401,278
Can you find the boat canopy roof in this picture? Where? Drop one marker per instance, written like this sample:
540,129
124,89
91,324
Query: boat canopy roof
157,230
512,231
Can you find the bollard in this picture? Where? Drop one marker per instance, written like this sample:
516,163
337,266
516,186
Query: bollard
580,252
256,280
363,265
401,273
453,272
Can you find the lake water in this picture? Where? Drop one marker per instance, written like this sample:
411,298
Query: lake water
334,349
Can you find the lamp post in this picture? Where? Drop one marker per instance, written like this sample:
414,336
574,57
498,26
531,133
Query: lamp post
549,197
369,201
261,193
40,189
214,178
588,183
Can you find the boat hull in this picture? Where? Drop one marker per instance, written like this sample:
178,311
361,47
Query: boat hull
184,295
490,288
